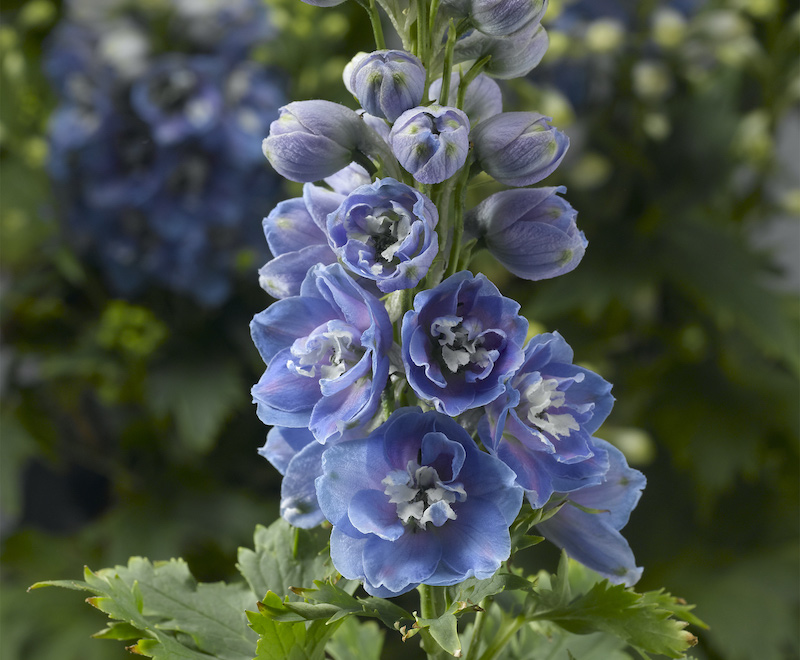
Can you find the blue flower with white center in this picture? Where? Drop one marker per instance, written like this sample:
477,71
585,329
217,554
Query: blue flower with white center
531,231
461,342
416,502
385,231
326,352
296,232
542,425
431,142
591,535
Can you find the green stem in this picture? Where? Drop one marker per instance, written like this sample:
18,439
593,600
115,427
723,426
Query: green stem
423,41
432,604
444,95
377,29
432,18
458,218
467,78
477,631
503,636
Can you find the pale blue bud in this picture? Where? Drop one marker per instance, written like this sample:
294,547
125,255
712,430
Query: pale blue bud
518,148
313,139
531,231
387,82
431,142
483,97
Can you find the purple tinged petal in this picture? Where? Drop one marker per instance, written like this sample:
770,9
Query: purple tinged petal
277,327
400,565
347,553
289,227
348,179
371,513
283,444
479,543
345,472
620,491
588,539
299,505
282,277
320,202
281,389
482,99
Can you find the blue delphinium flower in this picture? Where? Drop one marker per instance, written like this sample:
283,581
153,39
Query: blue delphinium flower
154,153
591,534
416,502
431,142
387,82
385,231
541,426
326,352
531,231
296,232
461,342
518,148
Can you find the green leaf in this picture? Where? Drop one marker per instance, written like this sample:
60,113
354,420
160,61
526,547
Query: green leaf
179,617
444,631
285,557
356,639
645,621
290,641
393,616
473,591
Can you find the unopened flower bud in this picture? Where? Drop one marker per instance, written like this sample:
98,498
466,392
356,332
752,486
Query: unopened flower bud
313,139
518,148
513,55
431,142
501,17
387,82
531,231
483,97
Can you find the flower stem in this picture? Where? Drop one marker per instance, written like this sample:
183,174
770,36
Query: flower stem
377,29
477,631
507,630
432,601
468,77
444,95
458,218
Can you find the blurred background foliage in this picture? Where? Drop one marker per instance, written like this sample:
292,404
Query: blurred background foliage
126,423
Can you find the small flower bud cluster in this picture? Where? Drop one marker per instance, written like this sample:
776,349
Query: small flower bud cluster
386,358
155,154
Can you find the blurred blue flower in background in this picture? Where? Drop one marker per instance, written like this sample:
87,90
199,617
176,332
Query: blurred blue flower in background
154,152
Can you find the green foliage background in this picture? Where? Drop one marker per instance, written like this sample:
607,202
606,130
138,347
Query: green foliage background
126,424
